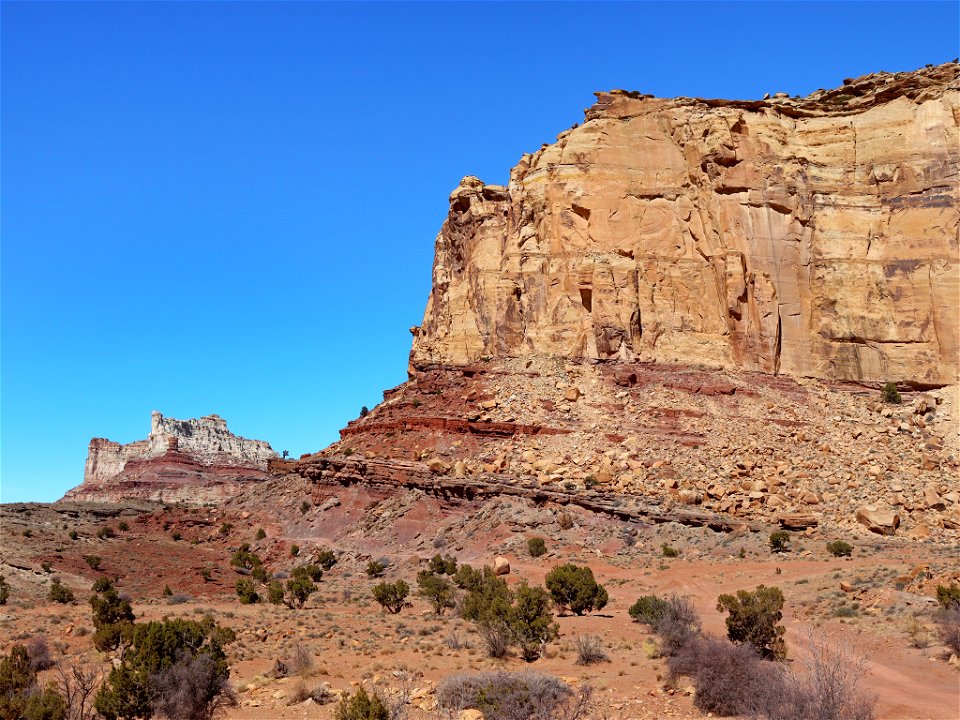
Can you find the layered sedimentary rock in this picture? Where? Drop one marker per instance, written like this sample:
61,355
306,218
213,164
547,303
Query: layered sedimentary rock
813,237
197,460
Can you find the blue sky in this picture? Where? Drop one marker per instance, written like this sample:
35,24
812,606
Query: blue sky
231,207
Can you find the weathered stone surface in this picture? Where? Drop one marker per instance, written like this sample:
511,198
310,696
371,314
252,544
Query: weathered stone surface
812,237
196,460
501,566
882,522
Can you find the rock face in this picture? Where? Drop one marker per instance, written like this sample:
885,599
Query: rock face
812,237
180,460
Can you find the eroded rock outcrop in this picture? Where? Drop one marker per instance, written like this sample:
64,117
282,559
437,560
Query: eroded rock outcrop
194,461
812,237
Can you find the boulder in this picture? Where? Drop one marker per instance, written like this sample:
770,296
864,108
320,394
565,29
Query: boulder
882,522
798,521
501,566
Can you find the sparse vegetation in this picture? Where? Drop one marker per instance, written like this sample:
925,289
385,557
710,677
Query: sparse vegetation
261,534
21,698
948,627
375,569
590,650
106,532
536,546
523,695
247,592
948,595
294,550
648,609
304,507
668,551
93,561
112,615
838,548
891,394
437,589
4,590
440,565
123,526
173,668
362,705
574,588
326,559
392,596
753,618
59,593
779,541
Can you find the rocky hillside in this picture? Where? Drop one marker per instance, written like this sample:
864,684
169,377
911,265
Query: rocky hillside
682,311
193,461
813,237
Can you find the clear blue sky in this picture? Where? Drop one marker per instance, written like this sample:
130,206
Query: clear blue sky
231,208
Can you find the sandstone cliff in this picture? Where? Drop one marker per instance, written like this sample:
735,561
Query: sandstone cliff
812,237
180,461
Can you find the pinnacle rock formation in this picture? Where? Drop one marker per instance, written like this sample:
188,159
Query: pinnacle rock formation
812,237
193,461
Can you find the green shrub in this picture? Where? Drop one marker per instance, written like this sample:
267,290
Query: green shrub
176,535
261,534
574,588
890,394
123,526
179,661
226,528
206,574
304,507
669,552
112,615
93,561
314,572
275,592
294,550
392,596
375,569
244,559
753,618
437,589
106,532
443,565
300,587
20,696
648,609
779,541
361,706
326,559
4,590
467,578
59,592
531,621
73,534
839,548
247,592
948,596
536,546
167,592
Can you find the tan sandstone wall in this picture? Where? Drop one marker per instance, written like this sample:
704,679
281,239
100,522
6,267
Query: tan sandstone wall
812,237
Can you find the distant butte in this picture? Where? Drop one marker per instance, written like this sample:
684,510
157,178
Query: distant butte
191,461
